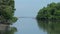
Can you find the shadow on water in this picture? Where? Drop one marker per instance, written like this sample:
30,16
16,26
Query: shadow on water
52,27
6,29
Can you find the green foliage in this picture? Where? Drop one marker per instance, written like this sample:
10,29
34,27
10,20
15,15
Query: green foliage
13,20
52,11
7,10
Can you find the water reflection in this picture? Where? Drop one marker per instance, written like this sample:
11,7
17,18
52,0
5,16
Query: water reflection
6,29
52,27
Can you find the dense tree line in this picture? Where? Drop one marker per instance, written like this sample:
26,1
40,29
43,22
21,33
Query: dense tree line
52,11
7,9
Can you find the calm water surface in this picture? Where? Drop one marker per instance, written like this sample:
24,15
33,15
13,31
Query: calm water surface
28,26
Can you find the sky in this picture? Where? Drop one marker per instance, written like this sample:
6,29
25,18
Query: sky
30,8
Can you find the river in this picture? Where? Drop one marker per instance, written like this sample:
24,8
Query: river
28,26
29,8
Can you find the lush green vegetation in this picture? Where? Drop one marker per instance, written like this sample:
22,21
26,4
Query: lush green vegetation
52,27
7,9
52,11
48,18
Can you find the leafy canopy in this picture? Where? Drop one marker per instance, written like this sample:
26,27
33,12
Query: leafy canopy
7,9
52,11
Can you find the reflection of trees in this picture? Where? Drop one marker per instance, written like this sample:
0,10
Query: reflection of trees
9,30
52,27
